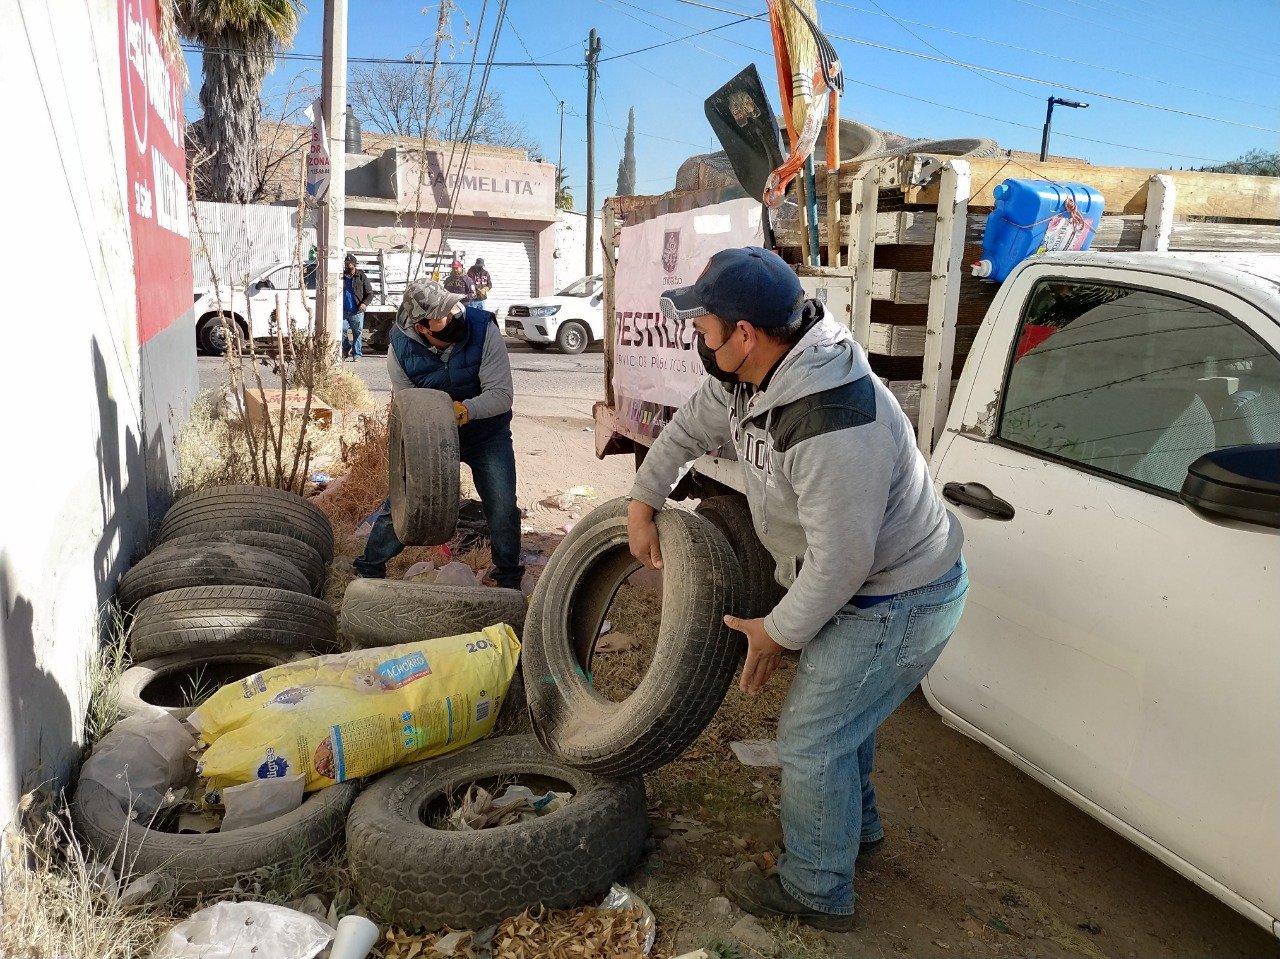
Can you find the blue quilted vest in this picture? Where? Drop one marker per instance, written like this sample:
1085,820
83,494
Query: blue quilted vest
459,375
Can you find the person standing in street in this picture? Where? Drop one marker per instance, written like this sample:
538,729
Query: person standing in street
459,283
439,343
872,560
481,281
356,294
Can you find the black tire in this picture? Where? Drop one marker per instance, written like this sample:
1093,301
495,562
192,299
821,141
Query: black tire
207,564
732,516
572,338
300,554
166,680
209,863
214,337
539,347
696,659
209,618
413,875
423,467
250,507
387,612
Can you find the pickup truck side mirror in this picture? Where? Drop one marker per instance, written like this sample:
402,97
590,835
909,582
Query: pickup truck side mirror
1240,483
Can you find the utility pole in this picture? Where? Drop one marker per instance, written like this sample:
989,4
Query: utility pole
593,59
331,222
1048,122
560,162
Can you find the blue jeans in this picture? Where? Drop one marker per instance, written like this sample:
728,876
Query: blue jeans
850,677
354,323
493,469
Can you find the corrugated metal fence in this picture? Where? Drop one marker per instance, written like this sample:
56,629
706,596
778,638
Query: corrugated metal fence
239,239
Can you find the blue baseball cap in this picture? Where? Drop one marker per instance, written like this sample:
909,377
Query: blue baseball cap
745,283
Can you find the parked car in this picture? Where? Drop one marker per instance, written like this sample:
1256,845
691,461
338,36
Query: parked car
256,306
572,320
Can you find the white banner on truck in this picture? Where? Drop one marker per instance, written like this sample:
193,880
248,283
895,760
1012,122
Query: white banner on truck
655,365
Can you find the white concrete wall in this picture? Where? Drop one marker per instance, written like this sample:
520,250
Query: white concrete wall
571,248
73,503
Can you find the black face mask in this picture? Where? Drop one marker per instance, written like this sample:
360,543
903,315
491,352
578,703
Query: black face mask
453,331
708,357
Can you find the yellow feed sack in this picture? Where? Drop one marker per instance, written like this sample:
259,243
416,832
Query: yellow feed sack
340,717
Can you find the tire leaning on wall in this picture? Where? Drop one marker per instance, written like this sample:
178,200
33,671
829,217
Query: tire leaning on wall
300,554
209,618
212,862
695,662
422,467
207,564
253,508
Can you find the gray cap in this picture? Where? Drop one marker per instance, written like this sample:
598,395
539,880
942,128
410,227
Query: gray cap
425,300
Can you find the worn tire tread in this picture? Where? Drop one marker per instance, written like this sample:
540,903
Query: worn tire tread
207,564
387,612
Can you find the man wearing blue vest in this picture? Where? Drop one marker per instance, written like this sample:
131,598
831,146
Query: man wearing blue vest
439,343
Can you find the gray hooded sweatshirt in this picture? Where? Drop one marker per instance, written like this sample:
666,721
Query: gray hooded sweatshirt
839,493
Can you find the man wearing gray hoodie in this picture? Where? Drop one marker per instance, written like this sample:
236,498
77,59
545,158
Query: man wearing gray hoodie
871,559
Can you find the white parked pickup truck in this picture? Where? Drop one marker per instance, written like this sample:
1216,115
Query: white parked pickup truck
1113,452
573,319
280,289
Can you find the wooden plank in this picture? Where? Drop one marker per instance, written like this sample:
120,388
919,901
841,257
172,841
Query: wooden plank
906,227
1157,219
946,280
609,230
900,340
862,249
1125,189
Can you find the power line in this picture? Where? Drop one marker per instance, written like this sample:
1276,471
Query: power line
525,47
403,61
1052,56
618,4
1010,74
667,43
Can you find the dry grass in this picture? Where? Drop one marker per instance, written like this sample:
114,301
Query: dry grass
102,677
362,465
341,389
54,902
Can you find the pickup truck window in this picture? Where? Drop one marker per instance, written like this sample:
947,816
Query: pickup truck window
1135,383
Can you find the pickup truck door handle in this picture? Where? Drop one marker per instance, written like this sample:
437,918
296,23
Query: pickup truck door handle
976,496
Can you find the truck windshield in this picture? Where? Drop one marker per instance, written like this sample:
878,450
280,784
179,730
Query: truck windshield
587,286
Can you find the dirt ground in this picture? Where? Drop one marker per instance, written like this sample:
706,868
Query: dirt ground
979,859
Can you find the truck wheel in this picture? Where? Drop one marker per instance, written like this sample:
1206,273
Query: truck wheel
210,863
214,338
220,617
696,659
250,507
180,682
732,516
423,467
412,873
572,338
289,548
209,564
386,612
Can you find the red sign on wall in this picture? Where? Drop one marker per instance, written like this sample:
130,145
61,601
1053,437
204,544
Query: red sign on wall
155,163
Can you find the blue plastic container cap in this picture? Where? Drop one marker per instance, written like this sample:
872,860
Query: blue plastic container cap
1036,216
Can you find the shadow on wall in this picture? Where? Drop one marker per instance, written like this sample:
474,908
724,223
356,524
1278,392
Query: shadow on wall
40,715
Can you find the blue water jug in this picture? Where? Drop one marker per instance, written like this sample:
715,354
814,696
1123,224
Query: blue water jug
1035,216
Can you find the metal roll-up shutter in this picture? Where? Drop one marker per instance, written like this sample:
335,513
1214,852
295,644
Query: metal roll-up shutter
511,257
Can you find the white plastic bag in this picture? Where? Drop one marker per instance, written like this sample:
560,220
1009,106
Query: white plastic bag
456,574
261,801
246,930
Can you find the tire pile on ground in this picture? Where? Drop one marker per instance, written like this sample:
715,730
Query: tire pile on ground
230,589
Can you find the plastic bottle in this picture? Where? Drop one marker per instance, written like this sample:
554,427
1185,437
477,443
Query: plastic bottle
1035,216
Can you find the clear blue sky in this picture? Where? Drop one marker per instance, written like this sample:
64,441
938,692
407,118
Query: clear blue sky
1217,60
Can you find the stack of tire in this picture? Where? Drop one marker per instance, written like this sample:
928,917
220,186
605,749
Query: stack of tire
231,589
596,748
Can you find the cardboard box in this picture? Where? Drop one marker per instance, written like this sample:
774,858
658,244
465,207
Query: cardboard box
295,401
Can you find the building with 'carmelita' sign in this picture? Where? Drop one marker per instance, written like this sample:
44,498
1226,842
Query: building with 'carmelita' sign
498,207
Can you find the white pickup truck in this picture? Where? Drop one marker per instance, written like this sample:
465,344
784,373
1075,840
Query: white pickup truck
572,320
285,289
1113,451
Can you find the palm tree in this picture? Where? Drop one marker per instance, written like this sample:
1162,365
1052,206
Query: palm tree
564,194
239,39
